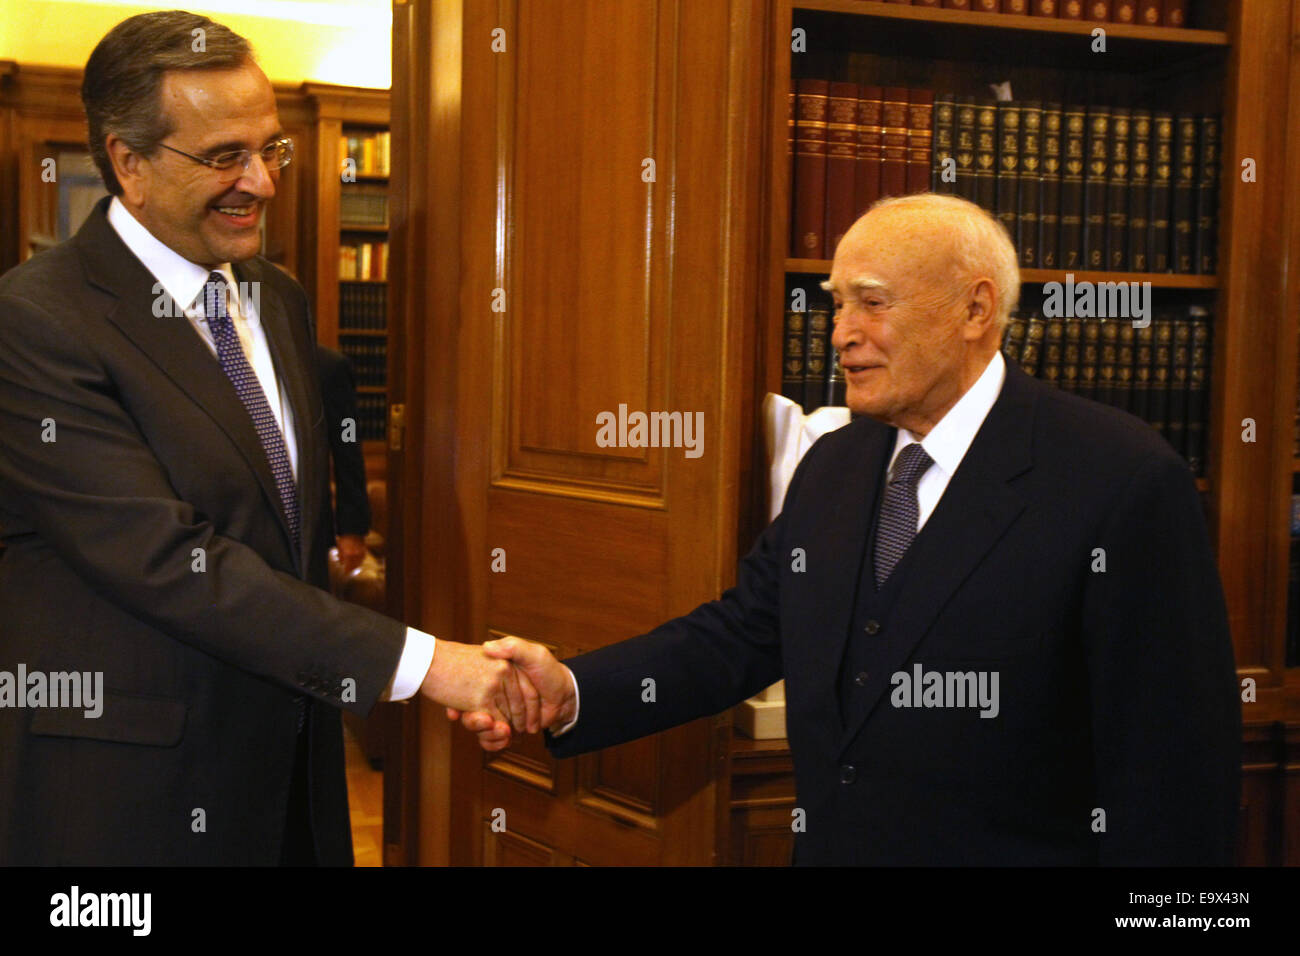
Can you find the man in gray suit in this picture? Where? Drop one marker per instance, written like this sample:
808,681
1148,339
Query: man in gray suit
164,502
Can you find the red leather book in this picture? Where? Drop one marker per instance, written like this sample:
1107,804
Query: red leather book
956,4
810,169
986,6
1124,11
841,162
1175,14
1149,12
870,147
1017,7
1071,9
1045,8
920,135
893,164
792,99
1096,10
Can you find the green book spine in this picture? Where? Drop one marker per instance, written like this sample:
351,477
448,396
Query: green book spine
1117,192
1095,186
1049,219
986,155
1071,251
792,356
815,359
1207,196
1139,192
1162,169
1030,204
1182,216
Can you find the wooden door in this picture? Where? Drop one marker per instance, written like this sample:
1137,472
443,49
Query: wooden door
575,230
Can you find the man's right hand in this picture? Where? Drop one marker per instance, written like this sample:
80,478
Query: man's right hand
465,677
539,669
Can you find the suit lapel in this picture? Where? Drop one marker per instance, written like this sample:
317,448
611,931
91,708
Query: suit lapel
162,334
976,509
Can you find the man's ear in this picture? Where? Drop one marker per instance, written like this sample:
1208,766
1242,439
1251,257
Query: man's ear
981,306
127,166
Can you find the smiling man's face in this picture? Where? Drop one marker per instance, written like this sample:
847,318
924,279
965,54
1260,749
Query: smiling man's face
899,327
207,215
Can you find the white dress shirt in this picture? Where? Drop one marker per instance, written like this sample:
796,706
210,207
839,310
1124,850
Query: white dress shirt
946,445
948,440
183,281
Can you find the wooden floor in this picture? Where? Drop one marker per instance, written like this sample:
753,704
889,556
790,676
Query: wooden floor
366,803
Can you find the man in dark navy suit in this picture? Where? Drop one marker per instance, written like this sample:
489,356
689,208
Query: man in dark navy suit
994,603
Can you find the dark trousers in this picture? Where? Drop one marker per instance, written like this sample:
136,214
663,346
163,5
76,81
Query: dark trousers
299,845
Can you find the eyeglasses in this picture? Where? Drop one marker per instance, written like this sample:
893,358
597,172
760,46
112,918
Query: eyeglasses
275,155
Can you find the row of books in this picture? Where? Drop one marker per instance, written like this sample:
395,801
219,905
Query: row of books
369,355
372,414
810,369
363,260
364,204
369,153
363,305
1151,13
1159,373
1085,187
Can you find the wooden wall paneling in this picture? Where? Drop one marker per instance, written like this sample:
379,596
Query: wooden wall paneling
1249,492
617,291
440,822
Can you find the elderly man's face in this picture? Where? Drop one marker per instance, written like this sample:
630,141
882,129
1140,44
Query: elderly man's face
898,320
206,215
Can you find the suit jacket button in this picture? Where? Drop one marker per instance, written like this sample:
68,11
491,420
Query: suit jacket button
861,679
848,773
872,627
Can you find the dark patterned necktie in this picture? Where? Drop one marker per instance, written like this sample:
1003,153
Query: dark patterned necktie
899,511
242,376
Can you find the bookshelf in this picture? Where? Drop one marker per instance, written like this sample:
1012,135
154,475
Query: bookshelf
1227,63
349,270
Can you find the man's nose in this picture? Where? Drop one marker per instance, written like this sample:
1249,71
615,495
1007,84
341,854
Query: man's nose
844,333
257,179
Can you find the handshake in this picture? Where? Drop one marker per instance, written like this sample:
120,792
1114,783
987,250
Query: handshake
493,687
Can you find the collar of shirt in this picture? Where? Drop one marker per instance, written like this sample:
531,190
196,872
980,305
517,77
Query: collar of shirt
181,279
948,440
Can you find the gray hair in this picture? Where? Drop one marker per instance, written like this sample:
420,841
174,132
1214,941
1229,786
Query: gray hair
980,245
124,75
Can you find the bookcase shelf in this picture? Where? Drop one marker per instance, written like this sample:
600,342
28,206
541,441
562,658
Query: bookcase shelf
1012,23
341,112
1158,280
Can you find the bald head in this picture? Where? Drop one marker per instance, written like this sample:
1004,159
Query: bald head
923,287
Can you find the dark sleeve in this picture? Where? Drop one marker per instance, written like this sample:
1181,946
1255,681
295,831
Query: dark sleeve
339,394
1166,715
102,501
713,658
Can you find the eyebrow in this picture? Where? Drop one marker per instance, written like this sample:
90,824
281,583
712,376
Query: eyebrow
862,283
234,145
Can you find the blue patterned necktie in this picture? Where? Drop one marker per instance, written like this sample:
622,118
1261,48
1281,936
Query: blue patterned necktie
242,376
899,511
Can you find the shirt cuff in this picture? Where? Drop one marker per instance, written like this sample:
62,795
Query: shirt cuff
413,665
577,702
